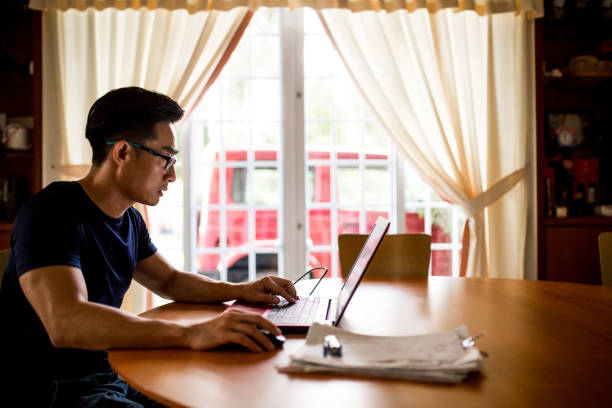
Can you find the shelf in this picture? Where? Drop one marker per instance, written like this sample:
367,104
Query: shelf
567,247
17,154
577,221
578,83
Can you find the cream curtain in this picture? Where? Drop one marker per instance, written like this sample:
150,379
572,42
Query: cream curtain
455,91
87,53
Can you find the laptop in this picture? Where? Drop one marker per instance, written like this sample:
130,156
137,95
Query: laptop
298,317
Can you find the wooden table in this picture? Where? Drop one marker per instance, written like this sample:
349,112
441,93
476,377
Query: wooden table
549,344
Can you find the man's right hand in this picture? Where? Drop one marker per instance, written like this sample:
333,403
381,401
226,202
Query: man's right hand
232,327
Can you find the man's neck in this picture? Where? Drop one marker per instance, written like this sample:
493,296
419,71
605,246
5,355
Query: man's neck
102,190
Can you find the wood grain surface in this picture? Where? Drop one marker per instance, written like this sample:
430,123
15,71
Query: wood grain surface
549,344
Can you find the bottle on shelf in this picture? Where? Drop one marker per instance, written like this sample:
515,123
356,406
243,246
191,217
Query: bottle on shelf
550,204
591,197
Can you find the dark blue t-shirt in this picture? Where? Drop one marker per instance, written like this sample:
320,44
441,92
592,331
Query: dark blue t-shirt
61,225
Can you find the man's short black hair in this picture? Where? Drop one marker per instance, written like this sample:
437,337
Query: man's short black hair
129,114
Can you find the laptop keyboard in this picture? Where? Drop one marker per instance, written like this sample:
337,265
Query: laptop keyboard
304,311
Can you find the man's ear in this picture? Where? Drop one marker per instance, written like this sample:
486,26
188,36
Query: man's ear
119,153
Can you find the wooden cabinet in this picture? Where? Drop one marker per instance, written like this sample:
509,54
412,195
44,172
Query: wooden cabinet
574,146
20,101
571,252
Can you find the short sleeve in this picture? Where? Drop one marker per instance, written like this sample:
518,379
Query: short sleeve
43,235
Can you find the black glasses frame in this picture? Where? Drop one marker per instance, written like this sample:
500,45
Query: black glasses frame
170,161
310,271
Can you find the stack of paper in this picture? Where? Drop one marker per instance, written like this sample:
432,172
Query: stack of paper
438,357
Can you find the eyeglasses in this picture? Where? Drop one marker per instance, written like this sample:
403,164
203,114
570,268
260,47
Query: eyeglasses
170,161
310,271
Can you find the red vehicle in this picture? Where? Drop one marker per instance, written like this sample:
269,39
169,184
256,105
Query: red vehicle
266,222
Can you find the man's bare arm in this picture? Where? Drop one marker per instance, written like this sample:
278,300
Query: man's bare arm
159,276
58,295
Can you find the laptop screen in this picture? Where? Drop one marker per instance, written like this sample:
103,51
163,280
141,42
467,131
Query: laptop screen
361,264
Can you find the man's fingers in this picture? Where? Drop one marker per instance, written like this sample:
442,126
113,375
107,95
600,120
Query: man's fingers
268,299
244,340
291,290
254,333
259,296
254,319
271,285
243,328
287,285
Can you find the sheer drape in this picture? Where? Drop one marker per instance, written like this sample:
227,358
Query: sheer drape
87,53
455,91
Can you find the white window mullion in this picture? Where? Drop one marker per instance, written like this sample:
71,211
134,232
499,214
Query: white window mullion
333,179
333,210
362,207
294,211
250,179
190,227
223,206
396,168
251,210
332,205
455,240
428,217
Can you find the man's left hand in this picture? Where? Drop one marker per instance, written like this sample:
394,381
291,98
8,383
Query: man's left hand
264,290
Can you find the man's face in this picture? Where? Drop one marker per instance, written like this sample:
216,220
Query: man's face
147,176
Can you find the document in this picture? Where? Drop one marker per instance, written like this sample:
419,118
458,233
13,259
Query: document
438,357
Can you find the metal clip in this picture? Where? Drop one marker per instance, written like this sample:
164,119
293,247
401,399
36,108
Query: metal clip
470,341
332,346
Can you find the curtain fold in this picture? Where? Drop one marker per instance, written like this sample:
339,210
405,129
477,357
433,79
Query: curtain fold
535,8
87,53
454,91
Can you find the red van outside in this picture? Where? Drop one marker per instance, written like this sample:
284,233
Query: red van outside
266,221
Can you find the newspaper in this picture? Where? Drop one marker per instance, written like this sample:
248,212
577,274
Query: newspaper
437,357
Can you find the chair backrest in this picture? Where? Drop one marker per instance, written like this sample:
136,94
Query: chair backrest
4,255
605,257
399,255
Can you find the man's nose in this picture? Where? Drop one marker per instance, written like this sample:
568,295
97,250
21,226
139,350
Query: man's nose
171,174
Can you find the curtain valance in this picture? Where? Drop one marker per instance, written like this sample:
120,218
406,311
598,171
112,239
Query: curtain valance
534,8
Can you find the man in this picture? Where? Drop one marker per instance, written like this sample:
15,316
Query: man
75,248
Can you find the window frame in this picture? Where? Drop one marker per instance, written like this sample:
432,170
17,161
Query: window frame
291,164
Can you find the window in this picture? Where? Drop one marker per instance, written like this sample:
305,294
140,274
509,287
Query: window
349,161
282,155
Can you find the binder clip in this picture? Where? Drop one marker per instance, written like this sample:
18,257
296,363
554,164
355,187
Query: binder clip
332,346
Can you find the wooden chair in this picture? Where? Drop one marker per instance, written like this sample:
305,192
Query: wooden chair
399,255
605,257
4,255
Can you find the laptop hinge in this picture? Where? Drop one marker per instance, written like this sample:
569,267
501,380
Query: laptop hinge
332,311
